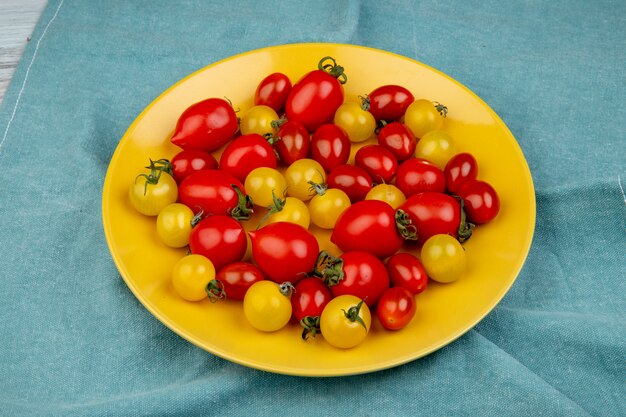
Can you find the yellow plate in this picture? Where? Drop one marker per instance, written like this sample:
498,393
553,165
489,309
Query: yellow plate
495,253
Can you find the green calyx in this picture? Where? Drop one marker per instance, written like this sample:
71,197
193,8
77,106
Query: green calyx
277,206
365,102
464,232
353,314
329,65
405,226
310,326
329,268
286,288
156,168
319,189
244,206
215,290
443,110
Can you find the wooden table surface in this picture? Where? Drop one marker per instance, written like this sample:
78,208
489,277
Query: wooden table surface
17,21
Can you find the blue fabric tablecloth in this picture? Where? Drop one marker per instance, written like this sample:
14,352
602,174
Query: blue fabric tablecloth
75,341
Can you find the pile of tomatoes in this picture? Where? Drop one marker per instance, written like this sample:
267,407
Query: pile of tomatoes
407,194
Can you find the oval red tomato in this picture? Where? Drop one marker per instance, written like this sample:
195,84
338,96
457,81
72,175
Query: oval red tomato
284,251
398,139
396,308
389,102
418,175
188,161
219,238
460,169
272,91
246,153
481,201
237,277
309,298
293,142
378,162
432,214
206,125
352,180
330,146
406,271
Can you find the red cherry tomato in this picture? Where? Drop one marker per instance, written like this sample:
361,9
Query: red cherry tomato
481,201
314,99
246,153
368,226
273,91
330,146
309,298
418,175
398,139
237,277
432,214
356,273
389,102
406,271
284,251
206,125
396,308
187,161
460,169
293,142
214,192
352,180
378,162
219,238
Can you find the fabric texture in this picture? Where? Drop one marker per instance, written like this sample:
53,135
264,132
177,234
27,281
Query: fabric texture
75,341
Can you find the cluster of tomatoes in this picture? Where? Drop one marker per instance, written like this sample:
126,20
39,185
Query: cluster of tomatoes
410,190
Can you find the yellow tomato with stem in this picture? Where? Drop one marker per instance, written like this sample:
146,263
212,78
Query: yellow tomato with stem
437,147
258,120
388,193
327,206
154,190
423,116
358,123
267,305
263,183
193,278
345,321
300,175
174,225
289,209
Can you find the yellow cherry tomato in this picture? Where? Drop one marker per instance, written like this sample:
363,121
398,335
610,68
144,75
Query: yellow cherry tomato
443,258
258,120
437,147
423,116
267,305
299,176
290,210
359,124
345,321
193,276
325,208
388,193
174,225
262,184
152,192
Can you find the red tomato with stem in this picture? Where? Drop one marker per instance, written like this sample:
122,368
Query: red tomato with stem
307,303
215,192
273,91
398,139
418,175
206,125
293,142
188,161
460,169
351,179
389,102
330,146
219,238
396,308
378,162
237,277
481,201
246,153
284,251
406,271
315,98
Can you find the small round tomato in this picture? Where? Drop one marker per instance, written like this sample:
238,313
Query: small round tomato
219,238
284,251
299,176
237,277
152,192
424,116
398,139
188,161
389,102
191,277
388,193
379,163
291,210
246,153
330,146
396,308
461,168
326,207
263,184
293,142
345,321
444,258
206,125
174,225
437,147
418,175
307,303
267,305
406,271
272,91
258,120
358,123
352,180
481,201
